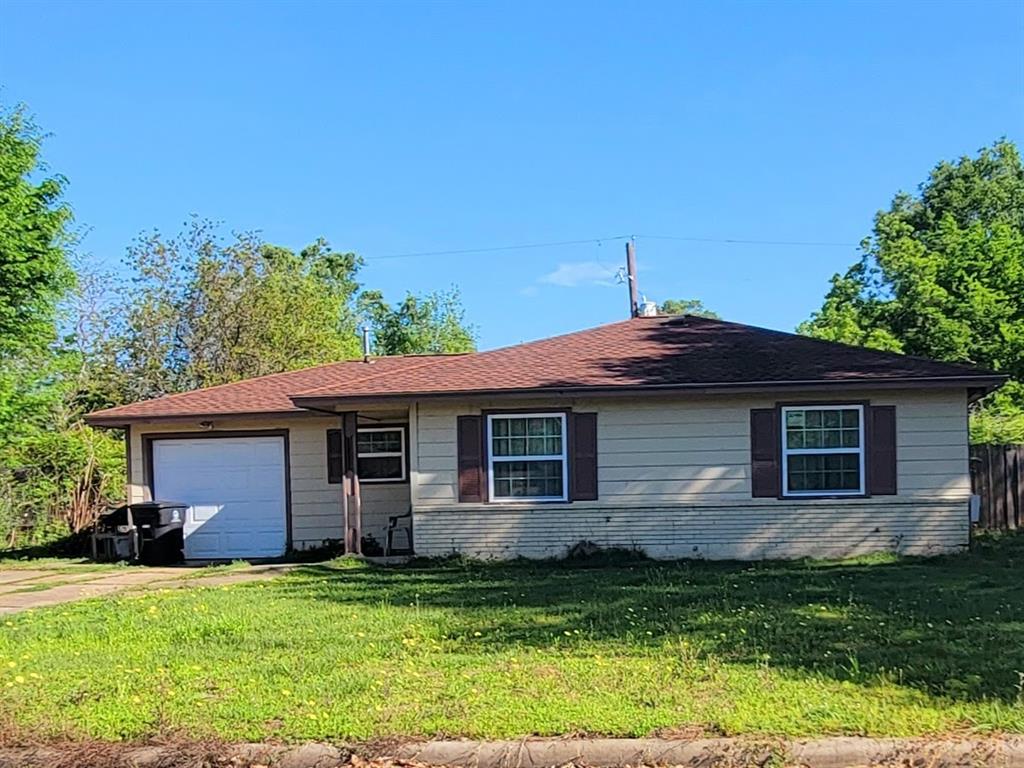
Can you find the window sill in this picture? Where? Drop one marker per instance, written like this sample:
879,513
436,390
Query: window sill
521,502
825,495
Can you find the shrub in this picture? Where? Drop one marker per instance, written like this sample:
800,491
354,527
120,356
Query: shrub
54,482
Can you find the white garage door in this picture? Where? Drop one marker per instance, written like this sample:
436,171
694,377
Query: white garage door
235,489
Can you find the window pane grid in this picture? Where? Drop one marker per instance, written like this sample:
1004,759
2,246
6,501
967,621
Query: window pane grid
527,457
531,436
823,450
389,442
380,454
528,479
823,428
824,472
380,468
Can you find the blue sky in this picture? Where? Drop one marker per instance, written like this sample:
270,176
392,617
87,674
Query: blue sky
392,128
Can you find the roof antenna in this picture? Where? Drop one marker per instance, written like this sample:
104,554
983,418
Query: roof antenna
634,291
366,343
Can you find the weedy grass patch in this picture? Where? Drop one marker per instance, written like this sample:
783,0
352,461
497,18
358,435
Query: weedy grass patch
344,650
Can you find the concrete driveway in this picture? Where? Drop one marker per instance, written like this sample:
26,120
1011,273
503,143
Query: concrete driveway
22,589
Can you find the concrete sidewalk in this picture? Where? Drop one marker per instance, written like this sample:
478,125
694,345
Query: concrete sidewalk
22,589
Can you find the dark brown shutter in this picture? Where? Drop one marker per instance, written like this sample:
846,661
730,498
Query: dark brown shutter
471,459
335,469
881,448
765,447
583,458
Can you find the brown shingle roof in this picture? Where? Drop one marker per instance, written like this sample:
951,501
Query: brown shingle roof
264,394
643,353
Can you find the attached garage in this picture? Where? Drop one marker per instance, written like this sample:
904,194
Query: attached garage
236,489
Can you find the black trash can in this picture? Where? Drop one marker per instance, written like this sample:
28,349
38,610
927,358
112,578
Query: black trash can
150,531
161,530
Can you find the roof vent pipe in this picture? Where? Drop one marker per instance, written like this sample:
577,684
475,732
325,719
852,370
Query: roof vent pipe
366,343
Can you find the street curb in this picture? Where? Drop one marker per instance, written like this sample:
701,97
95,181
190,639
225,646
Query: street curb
840,752
816,753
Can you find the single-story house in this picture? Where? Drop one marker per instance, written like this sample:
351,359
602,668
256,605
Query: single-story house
684,437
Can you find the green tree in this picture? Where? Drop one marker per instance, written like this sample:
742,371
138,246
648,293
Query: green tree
34,237
942,275
434,323
55,472
208,311
693,307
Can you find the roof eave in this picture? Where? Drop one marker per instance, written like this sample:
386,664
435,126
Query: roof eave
985,384
979,386
120,421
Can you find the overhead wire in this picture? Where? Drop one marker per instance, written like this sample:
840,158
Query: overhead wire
493,249
615,238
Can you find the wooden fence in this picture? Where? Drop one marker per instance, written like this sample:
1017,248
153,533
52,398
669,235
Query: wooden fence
997,476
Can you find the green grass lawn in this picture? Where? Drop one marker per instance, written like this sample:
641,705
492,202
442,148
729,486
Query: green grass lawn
350,651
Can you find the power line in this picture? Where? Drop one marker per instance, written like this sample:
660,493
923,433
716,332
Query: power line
599,240
554,244
733,241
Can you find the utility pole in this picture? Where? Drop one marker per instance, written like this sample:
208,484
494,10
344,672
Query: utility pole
634,291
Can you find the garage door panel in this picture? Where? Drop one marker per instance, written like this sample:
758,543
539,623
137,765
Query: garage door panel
204,545
235,489
266,454
263,483
232,483
203,512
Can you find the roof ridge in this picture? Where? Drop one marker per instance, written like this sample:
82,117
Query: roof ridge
429,359
561,336
484,353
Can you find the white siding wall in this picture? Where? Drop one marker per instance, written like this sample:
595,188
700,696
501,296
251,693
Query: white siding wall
674,480
316,504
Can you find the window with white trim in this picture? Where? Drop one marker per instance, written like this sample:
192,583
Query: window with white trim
823,450
380,454
526,457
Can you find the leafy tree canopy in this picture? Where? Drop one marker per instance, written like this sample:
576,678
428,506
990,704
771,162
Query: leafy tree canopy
942,275
54,471
34,220
434,323
208,310
686,307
